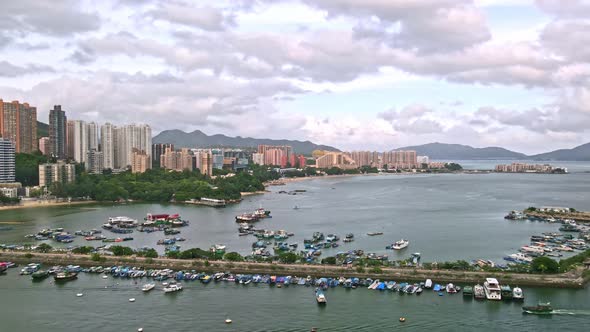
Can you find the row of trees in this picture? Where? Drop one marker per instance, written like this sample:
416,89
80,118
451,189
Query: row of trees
157,185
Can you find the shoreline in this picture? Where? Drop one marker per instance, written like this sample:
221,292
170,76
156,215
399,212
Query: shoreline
572,279
38,204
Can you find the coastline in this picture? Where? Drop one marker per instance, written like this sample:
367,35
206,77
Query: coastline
573,279
38,204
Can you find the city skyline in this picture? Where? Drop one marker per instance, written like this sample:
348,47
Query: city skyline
351,74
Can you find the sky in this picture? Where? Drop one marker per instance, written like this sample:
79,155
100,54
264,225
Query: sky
354,74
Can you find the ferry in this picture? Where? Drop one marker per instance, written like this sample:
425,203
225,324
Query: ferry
401,244
492,289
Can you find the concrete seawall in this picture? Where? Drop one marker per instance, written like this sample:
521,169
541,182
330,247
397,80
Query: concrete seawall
572,279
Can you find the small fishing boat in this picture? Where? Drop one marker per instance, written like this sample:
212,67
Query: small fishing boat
65,276
506,292
148,287
39,275
428,283
320,297
540,309
517,294
468,291
479,292
451,288
437,288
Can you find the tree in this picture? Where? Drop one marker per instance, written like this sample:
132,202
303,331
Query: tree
44,248
329,260
84,250
288,257
233,257
27,168
122,251
544,265
453,167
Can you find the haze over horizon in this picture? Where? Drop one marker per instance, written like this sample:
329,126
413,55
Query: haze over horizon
375,74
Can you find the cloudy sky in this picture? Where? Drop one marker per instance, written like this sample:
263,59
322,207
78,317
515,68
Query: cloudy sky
356,74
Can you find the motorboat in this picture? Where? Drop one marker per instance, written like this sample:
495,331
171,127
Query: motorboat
320,297
171,288
517,294
540,309
148,287
479,292
428,283
401,244
492,289
451,288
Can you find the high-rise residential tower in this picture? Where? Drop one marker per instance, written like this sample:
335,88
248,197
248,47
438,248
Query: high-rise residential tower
18,123
7,162
57,132
107,145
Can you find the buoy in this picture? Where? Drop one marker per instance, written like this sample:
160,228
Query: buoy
228,321
402,319
79,295
132,299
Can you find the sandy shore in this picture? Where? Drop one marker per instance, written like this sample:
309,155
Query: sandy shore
37,204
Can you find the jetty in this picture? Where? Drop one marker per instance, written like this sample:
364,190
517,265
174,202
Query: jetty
576,278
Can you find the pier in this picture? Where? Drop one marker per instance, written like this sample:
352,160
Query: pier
572,279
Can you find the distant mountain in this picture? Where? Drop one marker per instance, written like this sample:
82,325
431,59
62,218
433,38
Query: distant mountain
462,152
42,129
199,139
579,153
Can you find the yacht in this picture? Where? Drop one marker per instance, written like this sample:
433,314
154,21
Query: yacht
517,294
401,244
148,287
492,289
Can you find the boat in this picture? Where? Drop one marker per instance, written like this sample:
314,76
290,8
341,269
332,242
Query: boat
539,309
492,289
374,233
517,294
437,288
451,288
468,291
320,297
479,292
401,244
506,292
65,276
428,283
171,288
148,287
39,275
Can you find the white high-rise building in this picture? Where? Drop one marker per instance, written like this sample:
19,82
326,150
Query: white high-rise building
131,137
92,136
107,145
80,141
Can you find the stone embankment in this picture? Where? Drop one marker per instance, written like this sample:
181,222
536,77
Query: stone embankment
572,279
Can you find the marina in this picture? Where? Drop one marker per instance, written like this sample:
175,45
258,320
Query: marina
326,211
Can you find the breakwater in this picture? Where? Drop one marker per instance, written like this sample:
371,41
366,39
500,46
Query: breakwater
572,279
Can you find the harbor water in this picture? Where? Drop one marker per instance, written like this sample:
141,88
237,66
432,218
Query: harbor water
445,217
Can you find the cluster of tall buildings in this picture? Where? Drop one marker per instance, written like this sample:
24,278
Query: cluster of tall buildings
190,159
107,146
526,168
277,155
355,159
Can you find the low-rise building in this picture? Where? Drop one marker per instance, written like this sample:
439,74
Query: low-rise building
60,172
140,161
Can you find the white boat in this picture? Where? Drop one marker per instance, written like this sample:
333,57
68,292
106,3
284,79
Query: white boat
401,244
521,257
374,284
517,294
172,288
148,287
479,292
320,297
451,289
428,283
533,249
492,289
